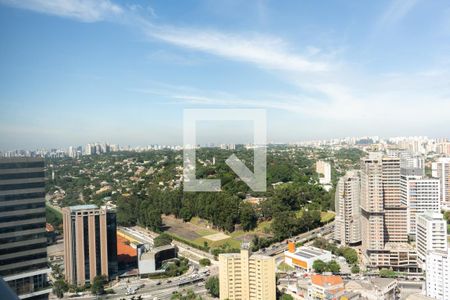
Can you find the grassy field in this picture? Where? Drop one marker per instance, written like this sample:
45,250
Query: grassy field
198,230
326,217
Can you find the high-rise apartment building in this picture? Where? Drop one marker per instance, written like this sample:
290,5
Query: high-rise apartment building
372,207
419,195
383,215
441,170
394,210
243,276
23,240
438,275
431,234
348,211
90,243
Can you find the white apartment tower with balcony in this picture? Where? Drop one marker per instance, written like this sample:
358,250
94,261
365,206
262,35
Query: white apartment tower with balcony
431,234
441,170
438,275
419,195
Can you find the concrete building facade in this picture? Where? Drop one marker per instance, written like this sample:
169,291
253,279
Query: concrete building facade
325,287
372,207
323,168
431,234
150,260
441,170
243,276
394,210
90,243
419,195
383,215
438,275
23,240
348,211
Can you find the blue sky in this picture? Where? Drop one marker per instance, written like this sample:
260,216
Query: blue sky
75,71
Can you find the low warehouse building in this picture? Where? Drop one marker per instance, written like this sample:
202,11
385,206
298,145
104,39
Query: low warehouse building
304,257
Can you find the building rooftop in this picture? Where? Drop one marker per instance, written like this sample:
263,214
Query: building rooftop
431,216
382,283
310,252
398,246
150,254
326,280
83,207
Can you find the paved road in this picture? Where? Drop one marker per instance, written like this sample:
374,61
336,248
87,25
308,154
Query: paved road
183,248
163,289
302,238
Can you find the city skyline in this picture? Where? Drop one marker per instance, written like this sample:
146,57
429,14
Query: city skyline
75,71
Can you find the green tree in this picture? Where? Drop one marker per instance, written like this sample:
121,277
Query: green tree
355,269
350,254
189,295
185,214
98,285
152,219
247,216
284,225
286,297
205,262
333,267
162,240
60,287
447,216
387,273
212,285
126,211
319,266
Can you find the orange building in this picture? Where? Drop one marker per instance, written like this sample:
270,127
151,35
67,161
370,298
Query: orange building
326,287
304,257
125,253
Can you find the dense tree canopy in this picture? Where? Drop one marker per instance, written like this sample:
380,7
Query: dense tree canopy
212,285
162,240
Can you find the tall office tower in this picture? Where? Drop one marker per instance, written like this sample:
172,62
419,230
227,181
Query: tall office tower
394,210
438,275
372,207
431,234
348,211
419,195
243,276
90,243
441,170
23,240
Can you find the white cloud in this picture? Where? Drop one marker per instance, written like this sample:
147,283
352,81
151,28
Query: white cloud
262,51
396,11
83,10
